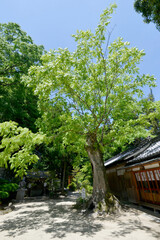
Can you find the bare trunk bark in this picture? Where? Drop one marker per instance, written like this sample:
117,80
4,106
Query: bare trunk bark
100,184
102,199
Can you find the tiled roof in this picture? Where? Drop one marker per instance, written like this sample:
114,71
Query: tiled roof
117,158
152,151
149,148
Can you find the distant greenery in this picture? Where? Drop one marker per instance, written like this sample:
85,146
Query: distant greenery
150,10
17,54
82,174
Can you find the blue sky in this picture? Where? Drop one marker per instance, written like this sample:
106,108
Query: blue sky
52,22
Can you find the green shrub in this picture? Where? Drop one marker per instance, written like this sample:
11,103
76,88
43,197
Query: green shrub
3,181
9,187
6,188
84,204
89,189
4,195
72,186
86,184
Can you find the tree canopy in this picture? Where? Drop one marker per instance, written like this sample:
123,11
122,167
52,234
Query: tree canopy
150,10
17,54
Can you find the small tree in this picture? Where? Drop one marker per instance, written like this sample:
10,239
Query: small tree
99,87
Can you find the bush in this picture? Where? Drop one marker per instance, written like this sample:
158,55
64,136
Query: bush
6,188
72,186
79,203
4,195
85,204
2,181
87,186
9,187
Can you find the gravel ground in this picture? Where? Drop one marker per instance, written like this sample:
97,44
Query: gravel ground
56,219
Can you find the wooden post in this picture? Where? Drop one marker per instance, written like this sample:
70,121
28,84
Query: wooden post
135,183
158,189
142,186
150,186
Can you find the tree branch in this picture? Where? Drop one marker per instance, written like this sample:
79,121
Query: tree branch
81,100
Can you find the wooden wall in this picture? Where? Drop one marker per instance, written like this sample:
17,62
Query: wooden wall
140,184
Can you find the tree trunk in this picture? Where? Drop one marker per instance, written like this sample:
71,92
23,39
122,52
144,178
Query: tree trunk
64,175
101,198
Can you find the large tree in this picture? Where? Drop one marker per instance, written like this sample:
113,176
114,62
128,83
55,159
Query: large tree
17,54
99,87
150,10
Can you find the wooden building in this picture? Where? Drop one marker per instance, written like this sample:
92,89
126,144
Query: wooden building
134,175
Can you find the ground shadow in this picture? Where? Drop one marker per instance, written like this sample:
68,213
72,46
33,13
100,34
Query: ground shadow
57,218
132,225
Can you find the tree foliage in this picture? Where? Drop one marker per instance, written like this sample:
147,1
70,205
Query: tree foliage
17,54
99,88
150,10
17,146
57,154
151,111
82,173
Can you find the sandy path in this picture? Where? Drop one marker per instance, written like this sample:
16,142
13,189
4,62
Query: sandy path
55,219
